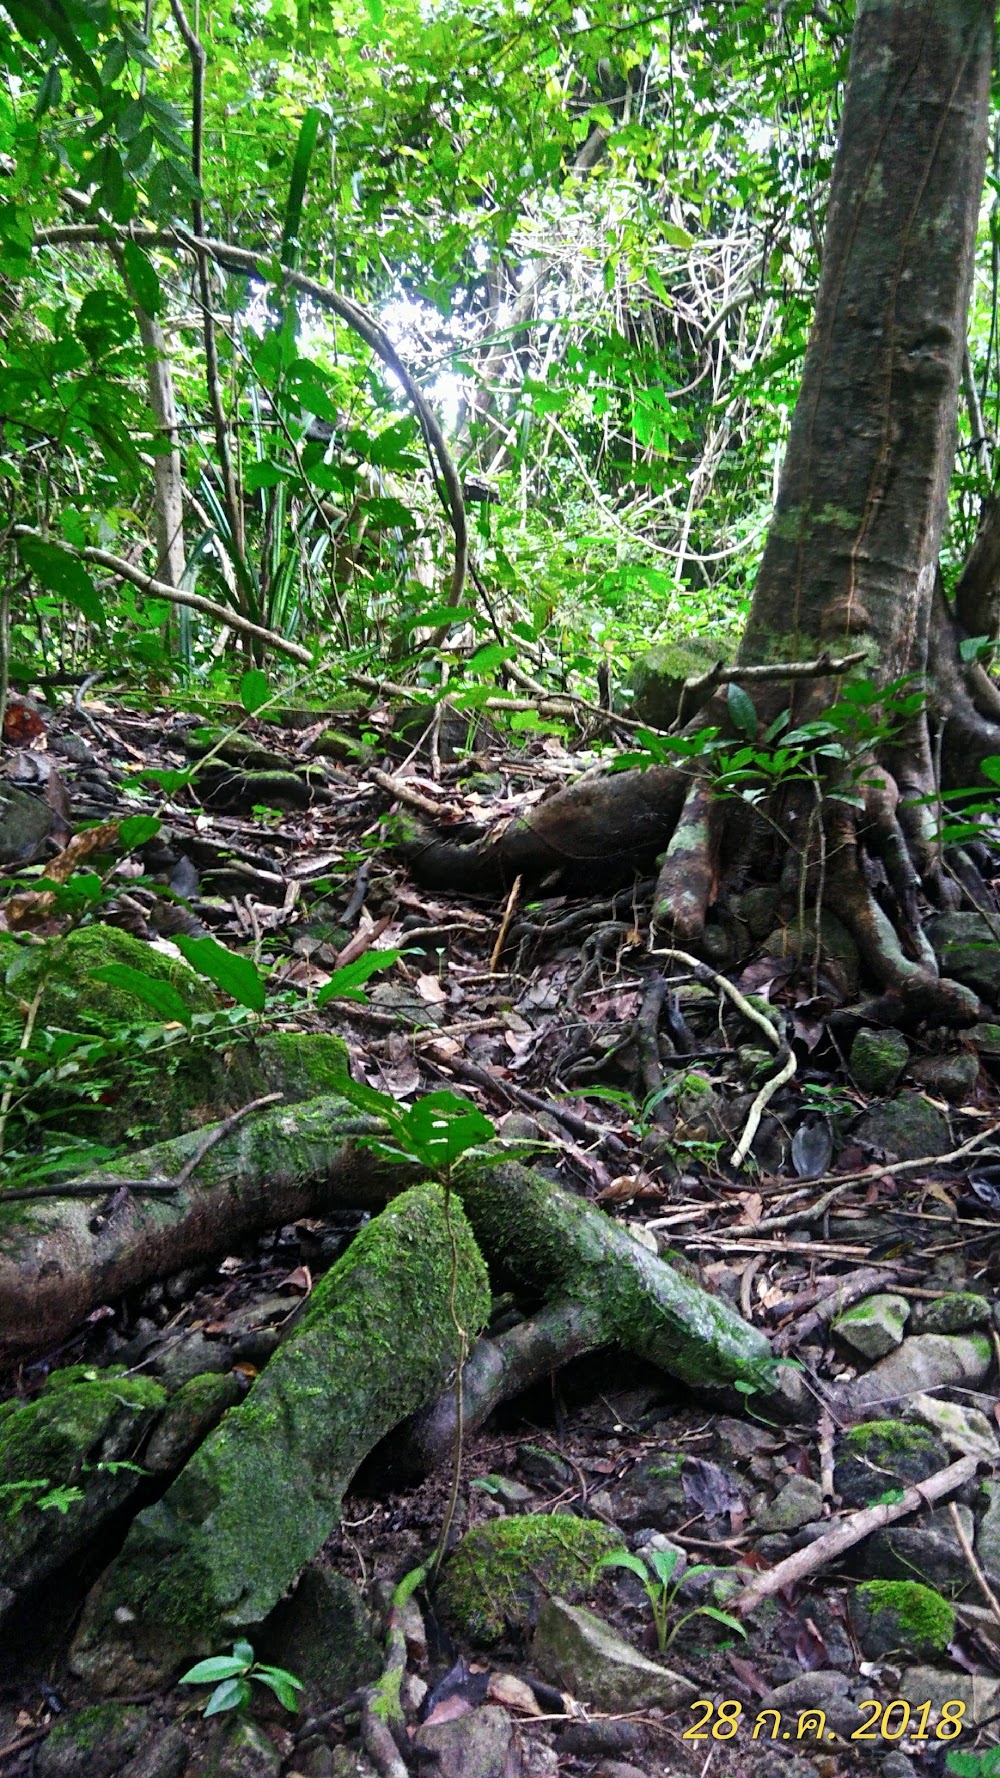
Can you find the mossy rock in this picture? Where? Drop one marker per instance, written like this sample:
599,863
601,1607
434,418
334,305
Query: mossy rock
907,1127
502,1572
92,1743
878,1058
881,1455
957,1312
836,946
324,1635
193,1412
182,1084
83,1421
901,1617
657,678
966,948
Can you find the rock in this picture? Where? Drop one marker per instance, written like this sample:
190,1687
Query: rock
656,678
587,1740
349,1763
967,950
323,1634
907,1128
921,1363
875,1326
896,1765
947,1077
878,1059
471,1746
164,1757
965,1431
929,1551
652,1493
836,947
239,1749
579,1652
985,1039
826,1691
25,824
189,1417
939,1686
618,1768
82,1415
800,1500
988,1534
881,1455
957,1312
91,1743
374,1343
182,1361
501,1571
901,1617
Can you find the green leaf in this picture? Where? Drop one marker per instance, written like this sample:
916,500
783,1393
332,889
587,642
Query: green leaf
676,236
345,983
722,1617
442,1126
218,1667
135,830
236,976
104,319
990,768
167,779
254,690
242,1651
624,1559
304,150
163,999
63,574
143,278
742,714
283,1685
663,1563
376,11
232,1694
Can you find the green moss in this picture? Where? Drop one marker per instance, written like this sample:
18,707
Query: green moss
920,1618
888,1436
304,1064
502,1571
114,1728
49,1438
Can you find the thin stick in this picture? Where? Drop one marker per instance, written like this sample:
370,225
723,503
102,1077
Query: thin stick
970,1556
398,788
851,1530
508,915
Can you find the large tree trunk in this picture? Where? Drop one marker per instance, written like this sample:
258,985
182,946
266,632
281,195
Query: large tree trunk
851,558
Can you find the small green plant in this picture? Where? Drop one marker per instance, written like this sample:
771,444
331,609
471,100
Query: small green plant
975,1765
232,1675
656,1569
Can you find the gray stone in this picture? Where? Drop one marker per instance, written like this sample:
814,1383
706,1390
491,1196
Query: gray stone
239,1749
875,1326
25,822
947,1077
958,1311
188,1418
91,1743
587,1740
578,1651
896,1765
471,1746
826,1691
901,1617
923,1362
967,950
349,1763
965,1431
988,1534
880,1455
837,948
652,1493
618,1768
929,1552
800,1500
878,1059
937,1686
180,1361
323,1634
908,1128
164,1757
656,678
984,1038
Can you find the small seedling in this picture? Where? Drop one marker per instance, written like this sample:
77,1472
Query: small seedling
656,1568
231,1675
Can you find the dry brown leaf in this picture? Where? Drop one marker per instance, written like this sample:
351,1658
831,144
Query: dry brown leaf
507,1689
430,990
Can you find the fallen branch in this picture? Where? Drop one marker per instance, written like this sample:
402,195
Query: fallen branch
414,799
693,690
852,1530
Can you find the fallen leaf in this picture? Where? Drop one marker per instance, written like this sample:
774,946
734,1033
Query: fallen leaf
430,989
300,1279
506,1689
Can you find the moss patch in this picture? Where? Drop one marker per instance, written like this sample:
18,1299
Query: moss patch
903,1615
501,1572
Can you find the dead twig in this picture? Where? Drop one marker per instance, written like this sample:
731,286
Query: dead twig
414,799
508,915
852,1530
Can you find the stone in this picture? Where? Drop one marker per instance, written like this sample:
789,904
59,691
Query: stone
901,1617
878,1059
323,1634
908,1128
939,1686
216,1553
91,1743
822,1690
923,1362
578,1651
497,1577
652,1493
189,1417
471,1746
837,948
618,1768
947,1077
183,1360
656,678
958,1311
800,1500
966,948
239,1749
929,1552
881,1455
25,824
875,1326
988,1534
164,1757
588,1740
984,1038
349,1763
965,1431
896,1765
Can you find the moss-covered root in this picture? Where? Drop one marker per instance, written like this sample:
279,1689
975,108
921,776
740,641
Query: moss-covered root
561,1246
285,1162
495,1370
214,1556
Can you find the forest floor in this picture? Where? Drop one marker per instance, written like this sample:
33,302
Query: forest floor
538,1008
